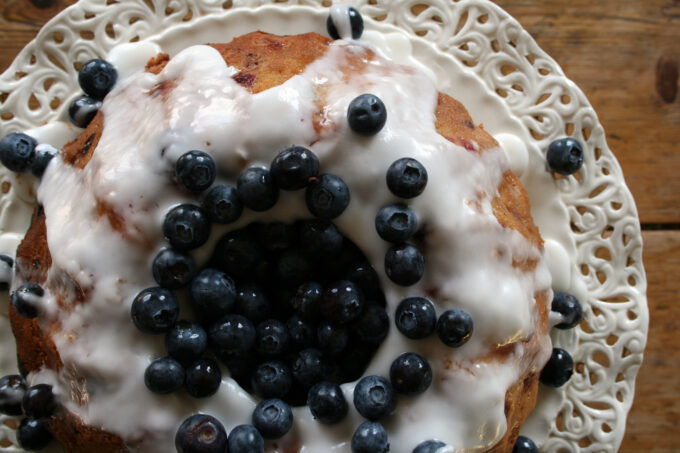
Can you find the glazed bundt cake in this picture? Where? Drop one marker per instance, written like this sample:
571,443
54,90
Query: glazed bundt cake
282,237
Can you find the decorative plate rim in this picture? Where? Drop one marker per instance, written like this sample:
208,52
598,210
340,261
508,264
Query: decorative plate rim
605,229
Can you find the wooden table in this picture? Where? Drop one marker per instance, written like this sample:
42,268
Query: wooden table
624,54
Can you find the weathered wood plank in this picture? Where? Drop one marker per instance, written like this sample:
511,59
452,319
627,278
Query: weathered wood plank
653,420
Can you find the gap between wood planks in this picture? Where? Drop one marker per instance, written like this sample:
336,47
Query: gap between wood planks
659,226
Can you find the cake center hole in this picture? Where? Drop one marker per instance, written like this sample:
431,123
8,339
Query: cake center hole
311,298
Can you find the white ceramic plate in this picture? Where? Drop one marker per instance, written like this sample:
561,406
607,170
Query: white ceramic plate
478,54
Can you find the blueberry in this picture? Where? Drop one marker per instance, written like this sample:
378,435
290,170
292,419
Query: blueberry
97,77
327,196
222,204
245,439
38,401
240,364
273,418
195,171
203,378
252,303
173,269
186,341
293,167
308,366
6,265
569,307
164,375
406,178
327,402
342,302
272,338
524,445
212,293
83,110
237,254
404,264
276,236
366,278
12,391
302,334
155,310
454,327
338,266
17,151
272,380
33,435
374,397
307,301
372,326
410,374
558,370
292,267
320,238
201,433
332,339
355,20
355,360
565,156
186,227
396,223
370,437
26,300
43,156
415,317
366,114
233,333
429,446
256,189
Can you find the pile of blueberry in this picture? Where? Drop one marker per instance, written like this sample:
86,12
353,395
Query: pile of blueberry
560,366
37,403
415,317
96,78
292,310
204,433
20,153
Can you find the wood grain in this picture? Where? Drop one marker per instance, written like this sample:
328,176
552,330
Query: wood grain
622,54
653,420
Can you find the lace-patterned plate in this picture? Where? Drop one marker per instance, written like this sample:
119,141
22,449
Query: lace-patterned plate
603,246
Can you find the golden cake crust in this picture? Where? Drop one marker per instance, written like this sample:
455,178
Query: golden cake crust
264,61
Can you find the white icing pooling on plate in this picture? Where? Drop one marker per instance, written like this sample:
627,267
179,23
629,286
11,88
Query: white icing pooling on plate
516,151
131,58
207,110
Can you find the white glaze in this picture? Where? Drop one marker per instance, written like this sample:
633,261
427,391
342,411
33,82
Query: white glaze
559,265
130,58
206,106
340,17
516,152
5,272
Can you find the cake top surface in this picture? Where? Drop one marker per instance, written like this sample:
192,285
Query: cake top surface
195,103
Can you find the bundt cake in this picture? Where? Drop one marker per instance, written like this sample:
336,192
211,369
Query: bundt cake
282,237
